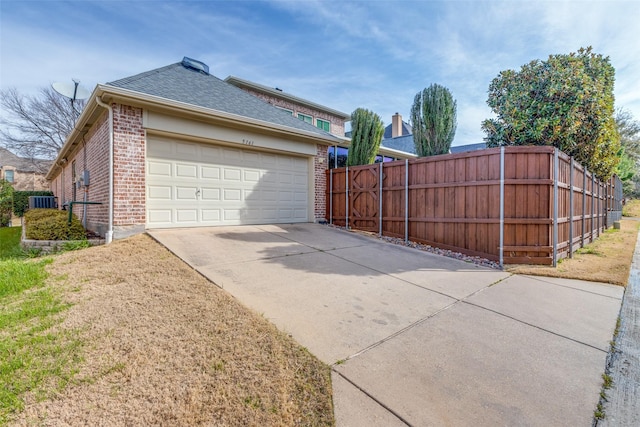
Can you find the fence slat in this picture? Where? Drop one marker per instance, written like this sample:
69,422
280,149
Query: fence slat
507,204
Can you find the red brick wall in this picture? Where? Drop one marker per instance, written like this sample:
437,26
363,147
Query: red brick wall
320,181
336,123
129,167
129,172
92,155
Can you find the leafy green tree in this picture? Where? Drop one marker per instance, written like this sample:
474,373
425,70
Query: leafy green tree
433,120
627,169
6,202
366,133
565,102
629,130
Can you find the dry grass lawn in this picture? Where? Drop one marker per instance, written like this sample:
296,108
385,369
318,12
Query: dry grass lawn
607,259
163,346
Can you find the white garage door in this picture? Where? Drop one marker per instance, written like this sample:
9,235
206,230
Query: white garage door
190,184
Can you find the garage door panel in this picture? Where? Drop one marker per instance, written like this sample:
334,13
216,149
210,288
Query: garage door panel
187,193
159,216
210,154
211,215
251,158
186,170
157,192
232,174
269,160
252,175
157,168
186,216
232,194
232,156
187,150
194,184
210,194
210,173
300,196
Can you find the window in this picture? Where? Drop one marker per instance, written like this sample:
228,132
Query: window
337,157
287,110
8,176
323,124
305,118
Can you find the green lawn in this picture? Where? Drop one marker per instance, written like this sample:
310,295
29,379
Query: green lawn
10,242
33,358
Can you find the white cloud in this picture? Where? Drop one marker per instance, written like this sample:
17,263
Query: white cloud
372,54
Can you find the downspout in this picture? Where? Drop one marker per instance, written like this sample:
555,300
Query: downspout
109,234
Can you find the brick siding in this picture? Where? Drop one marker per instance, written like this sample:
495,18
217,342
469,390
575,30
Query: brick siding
336,123
320,182
129,172
129,153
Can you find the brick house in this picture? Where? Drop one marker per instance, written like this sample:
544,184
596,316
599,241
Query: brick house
322,117
178,147
24,174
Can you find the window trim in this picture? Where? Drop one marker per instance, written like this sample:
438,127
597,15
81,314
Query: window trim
323,122
285,109
303,117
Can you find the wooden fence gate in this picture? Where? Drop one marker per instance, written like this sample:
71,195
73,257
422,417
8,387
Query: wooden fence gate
526,205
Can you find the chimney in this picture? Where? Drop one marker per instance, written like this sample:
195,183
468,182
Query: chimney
396,125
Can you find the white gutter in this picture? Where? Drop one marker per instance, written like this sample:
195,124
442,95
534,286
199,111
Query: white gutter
109,234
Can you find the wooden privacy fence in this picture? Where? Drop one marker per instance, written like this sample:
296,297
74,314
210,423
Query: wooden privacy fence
512,205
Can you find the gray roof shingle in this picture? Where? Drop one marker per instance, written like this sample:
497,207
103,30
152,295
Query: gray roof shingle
22,164
400,143
178,83
468,147
406,130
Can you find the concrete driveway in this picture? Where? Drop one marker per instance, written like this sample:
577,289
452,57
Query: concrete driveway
414,338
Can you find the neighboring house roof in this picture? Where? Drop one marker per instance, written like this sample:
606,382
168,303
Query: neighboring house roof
22,164
406,130
468,147
400,143
279,93
179,83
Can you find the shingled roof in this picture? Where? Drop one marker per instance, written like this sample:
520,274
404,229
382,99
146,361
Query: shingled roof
22,164
179,83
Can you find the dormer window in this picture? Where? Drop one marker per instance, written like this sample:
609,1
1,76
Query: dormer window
305,118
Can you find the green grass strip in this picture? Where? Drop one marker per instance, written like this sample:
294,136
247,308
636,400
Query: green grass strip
33,356
10,243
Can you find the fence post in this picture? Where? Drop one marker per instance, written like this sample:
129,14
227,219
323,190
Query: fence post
406,200
593,204
346,206
571,210
380,202
584,205
501,207
555,206
331,196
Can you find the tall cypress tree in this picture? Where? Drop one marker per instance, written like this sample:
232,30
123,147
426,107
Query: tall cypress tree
366,133
433,119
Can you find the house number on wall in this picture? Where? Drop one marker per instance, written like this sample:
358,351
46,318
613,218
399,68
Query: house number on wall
246,141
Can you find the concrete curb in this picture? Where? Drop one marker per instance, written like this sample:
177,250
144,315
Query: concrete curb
622,404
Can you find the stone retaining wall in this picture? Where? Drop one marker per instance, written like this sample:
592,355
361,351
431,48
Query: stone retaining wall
48,246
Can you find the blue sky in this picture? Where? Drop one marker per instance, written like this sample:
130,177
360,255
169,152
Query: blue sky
343,54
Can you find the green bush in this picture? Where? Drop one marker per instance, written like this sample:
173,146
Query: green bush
51,224
6,202
21,200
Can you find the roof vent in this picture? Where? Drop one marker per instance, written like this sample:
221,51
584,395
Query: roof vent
195,65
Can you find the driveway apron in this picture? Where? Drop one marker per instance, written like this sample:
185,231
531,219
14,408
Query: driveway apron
415,338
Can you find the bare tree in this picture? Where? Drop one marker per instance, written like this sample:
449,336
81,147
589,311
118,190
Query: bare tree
36,127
